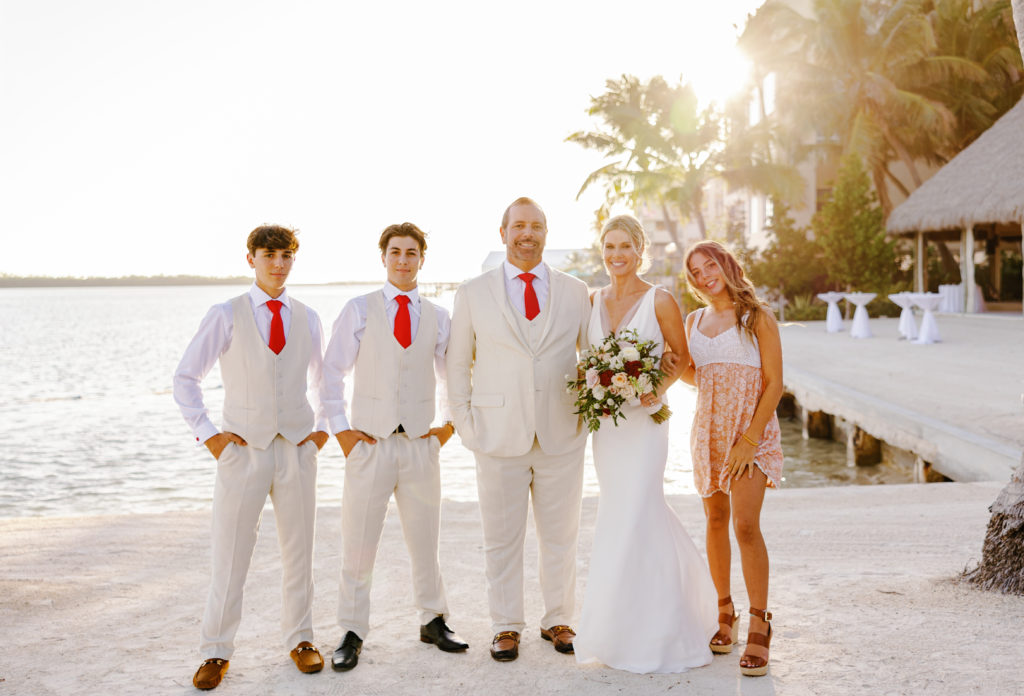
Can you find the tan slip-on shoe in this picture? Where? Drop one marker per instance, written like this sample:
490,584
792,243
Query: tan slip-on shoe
307,658
210,673
561,636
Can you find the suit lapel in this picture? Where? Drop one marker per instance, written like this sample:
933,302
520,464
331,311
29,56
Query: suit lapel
497,285
555,288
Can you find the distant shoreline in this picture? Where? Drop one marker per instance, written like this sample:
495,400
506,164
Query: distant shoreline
7,281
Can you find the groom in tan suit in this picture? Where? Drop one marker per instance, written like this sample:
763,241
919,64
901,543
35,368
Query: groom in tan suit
515,334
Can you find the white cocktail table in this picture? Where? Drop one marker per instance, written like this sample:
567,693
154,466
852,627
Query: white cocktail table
908,325
833,317
929,302
861,328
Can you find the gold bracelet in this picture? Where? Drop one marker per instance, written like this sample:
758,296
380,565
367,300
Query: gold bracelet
755,444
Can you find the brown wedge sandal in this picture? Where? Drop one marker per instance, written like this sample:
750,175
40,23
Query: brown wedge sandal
755,665
722,642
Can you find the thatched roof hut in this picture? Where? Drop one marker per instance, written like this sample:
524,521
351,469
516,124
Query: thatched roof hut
978,194
983,184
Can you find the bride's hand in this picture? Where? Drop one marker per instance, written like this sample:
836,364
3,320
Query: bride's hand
649,399
741,459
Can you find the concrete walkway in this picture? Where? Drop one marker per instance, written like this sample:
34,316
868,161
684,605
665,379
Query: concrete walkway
957,404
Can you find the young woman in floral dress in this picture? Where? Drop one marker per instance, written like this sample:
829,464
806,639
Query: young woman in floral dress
736,365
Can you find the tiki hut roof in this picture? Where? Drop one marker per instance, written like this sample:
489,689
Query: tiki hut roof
983,183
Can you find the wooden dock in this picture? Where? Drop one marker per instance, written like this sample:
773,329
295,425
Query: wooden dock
953,408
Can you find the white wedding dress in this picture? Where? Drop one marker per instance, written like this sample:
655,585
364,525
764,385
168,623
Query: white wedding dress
649,605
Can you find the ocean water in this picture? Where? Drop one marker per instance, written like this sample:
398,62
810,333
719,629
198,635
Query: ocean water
90,426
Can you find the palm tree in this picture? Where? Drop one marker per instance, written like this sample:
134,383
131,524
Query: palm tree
856,73
1018,22
1002,555
634,135
664,148
985,35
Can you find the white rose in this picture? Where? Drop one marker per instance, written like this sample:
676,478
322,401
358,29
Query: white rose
643,384
630,354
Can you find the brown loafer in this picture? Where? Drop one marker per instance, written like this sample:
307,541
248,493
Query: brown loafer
505,646
210,673
307,658
561,636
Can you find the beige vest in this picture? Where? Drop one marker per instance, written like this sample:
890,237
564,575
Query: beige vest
532,332
392,385
264,393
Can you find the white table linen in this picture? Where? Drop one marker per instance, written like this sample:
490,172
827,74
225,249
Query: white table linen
861,328
953,298
929,302
833,317
908,325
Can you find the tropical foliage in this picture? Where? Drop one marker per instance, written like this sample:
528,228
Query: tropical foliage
792,263
851,233
892,89
905,81
661,147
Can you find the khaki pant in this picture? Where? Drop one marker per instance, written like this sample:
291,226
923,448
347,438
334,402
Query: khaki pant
245,476
504,485
409,469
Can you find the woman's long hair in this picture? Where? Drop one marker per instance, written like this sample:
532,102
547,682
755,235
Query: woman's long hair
747,305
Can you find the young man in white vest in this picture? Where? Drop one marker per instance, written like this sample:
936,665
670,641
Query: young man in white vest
393,343
270,348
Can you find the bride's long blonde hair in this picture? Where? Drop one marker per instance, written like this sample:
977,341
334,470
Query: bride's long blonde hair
747,305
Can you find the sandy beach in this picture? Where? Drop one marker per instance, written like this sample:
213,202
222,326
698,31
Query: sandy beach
864,592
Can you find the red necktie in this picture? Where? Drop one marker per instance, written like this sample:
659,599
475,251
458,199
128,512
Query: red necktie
276,342
529,296
403,327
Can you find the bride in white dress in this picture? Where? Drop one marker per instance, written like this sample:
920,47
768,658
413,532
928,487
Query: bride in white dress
649,600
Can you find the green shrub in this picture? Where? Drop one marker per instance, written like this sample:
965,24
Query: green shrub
805,308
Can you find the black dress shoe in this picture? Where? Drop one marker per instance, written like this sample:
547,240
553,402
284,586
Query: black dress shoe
347,655
438,633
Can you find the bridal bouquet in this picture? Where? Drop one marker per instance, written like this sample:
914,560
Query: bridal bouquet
617,371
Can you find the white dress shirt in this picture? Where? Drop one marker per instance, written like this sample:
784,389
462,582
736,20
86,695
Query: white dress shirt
214,337
515,287
343,349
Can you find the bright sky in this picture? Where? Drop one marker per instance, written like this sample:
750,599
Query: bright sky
149,137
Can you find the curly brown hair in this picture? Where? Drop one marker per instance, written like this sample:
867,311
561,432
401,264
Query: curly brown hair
272,237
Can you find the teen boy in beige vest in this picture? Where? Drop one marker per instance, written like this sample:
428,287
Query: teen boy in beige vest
393,342
270,350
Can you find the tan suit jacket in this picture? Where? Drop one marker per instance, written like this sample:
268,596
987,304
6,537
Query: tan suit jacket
502,390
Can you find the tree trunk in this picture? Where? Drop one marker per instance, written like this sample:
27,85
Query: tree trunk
1002,556
882,191
698,213
896,182
1018,20
670,225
